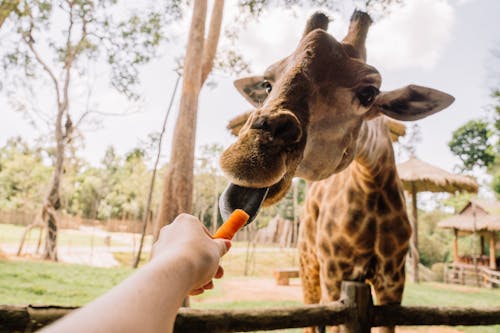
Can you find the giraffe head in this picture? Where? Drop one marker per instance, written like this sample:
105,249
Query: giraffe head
310,107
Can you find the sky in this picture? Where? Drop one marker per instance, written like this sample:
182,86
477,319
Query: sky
443,44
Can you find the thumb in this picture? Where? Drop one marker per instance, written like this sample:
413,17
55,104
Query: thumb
223,245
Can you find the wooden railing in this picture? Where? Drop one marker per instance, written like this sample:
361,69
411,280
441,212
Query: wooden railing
471,275
355,313
424,273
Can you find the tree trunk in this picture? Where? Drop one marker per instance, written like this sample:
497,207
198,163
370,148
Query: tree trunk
37,222
53,200
414,237
178,184
177,194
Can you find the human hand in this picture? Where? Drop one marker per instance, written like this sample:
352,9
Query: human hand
189,241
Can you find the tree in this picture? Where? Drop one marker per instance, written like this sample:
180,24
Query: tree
23,175
494,168
89,33
177,194
471,143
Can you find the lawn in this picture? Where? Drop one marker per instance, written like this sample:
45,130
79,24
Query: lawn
431,294
43,283
27,282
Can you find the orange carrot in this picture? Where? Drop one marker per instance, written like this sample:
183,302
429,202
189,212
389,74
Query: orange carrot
235,222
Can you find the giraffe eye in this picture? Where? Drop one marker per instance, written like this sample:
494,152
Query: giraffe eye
267,86
366,95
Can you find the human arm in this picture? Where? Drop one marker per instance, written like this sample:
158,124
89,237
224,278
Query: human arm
185,259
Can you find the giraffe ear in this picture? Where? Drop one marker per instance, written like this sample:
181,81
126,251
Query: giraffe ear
411,103
253,89
237,122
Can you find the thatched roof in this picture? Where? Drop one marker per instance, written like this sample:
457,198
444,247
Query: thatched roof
491,207
426,177
466,223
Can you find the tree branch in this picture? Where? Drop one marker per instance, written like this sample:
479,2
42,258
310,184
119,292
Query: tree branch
68,62
28,39
210,45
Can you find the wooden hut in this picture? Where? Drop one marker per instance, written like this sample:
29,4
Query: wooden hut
480,217
419,176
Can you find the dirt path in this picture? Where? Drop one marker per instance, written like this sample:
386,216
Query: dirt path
255,289
99,256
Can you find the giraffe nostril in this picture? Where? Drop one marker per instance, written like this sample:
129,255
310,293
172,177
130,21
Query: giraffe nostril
287,129
261,123
283,125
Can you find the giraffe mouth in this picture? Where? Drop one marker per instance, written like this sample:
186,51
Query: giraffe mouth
239,197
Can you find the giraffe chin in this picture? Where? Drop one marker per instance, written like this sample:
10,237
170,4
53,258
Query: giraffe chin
239,197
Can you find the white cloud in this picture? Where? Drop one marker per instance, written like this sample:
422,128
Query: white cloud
413,36
276,34
272,37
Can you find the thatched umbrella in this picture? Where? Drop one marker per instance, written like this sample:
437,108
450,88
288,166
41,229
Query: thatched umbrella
478,216
419,176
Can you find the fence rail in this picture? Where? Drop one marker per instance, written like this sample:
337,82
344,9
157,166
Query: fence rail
471,275
355,312
25,218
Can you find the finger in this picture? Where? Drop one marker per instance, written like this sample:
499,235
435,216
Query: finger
209,285
219,273
223,245
195,292
182,218
207,232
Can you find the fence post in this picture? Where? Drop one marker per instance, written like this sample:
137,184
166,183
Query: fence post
359,295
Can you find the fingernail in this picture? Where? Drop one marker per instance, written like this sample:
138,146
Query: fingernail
228,244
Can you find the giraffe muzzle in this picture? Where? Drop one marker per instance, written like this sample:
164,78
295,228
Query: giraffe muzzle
239,197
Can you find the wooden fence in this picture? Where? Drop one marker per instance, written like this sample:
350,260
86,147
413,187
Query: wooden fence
355,313
471,275
25,218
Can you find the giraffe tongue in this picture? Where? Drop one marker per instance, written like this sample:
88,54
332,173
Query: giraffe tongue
246,198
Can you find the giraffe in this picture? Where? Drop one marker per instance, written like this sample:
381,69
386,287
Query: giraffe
321,116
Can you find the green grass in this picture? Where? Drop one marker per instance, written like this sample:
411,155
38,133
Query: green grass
440,294
24,282
429,294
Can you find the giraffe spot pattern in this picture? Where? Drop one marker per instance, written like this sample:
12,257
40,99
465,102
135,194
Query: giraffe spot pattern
387,246
355,220
382,206
342,248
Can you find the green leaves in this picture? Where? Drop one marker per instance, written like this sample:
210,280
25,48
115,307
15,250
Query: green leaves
472,144
23,175
477,144
66,32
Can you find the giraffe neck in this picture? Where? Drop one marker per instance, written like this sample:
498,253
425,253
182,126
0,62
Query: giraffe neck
374,157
